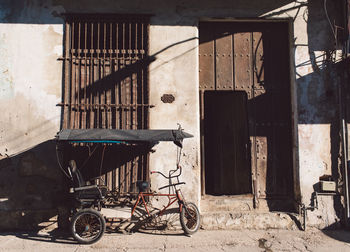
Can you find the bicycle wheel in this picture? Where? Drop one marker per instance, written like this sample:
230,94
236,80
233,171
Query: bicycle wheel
87,226
189,218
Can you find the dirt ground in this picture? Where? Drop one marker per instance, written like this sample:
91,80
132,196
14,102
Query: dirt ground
204,240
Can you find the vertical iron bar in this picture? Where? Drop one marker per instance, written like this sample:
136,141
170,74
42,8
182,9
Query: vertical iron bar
145,83
135,164
109,94
122,96
98,75
130,96
92,79
109,98
103,94
67,72
116,175
103,100
72,85
123,38
86,80
117,83
137,77
79,80
142,80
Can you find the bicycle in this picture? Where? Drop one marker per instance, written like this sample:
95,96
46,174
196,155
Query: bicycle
88,224
189,213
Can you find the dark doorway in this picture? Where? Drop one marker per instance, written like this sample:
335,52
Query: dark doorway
227,166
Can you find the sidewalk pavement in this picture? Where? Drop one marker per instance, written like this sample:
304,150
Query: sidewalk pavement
203,240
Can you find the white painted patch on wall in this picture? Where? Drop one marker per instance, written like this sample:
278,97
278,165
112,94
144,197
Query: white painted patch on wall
175,71
58,49
314,155
31,79
6,79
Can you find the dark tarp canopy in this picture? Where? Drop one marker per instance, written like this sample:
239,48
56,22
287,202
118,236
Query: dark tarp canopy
113,135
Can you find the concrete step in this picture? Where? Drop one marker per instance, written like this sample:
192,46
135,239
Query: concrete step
226,203
248,220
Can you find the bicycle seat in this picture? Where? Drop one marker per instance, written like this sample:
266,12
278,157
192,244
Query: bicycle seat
81,189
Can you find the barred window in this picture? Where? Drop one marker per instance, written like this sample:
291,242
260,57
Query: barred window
105,71
105,85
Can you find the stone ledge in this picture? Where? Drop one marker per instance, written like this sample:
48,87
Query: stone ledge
248,220
226,204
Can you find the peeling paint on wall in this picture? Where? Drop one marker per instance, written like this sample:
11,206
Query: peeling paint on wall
315,159
31,85
6,80
175,72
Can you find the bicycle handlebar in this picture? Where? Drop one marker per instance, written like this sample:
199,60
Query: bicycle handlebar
180,183
171,172
159,173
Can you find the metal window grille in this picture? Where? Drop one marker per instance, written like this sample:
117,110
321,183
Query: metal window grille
106,80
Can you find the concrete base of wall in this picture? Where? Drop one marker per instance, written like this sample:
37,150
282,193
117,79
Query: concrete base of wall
237,212
248,220
226,203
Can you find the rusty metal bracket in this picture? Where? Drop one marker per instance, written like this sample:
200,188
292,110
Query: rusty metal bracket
314,206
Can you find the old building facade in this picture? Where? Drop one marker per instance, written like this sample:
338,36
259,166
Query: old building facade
260,85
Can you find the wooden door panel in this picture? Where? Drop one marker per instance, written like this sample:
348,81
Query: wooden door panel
224,63
259,66
258,61
242,62
226,131
206,57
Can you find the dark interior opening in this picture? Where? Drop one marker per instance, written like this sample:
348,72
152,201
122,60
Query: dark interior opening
227,157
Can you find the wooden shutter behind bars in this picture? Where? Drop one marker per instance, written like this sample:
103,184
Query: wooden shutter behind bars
105,80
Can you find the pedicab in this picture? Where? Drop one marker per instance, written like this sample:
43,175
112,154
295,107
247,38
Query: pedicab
87,222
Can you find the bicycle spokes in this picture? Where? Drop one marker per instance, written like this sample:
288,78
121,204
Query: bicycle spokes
190,215
189,218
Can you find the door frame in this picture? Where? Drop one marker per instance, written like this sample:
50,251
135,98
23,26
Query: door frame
294,107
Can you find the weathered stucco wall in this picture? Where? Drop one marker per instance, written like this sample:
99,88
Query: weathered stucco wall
175,72
31,80
318,127
31,85
30,88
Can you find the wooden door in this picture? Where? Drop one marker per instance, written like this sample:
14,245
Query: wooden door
252,57
226,143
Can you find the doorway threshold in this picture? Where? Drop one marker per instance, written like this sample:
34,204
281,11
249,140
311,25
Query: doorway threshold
231,203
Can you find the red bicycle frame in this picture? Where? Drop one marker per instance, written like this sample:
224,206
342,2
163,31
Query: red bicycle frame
171,197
